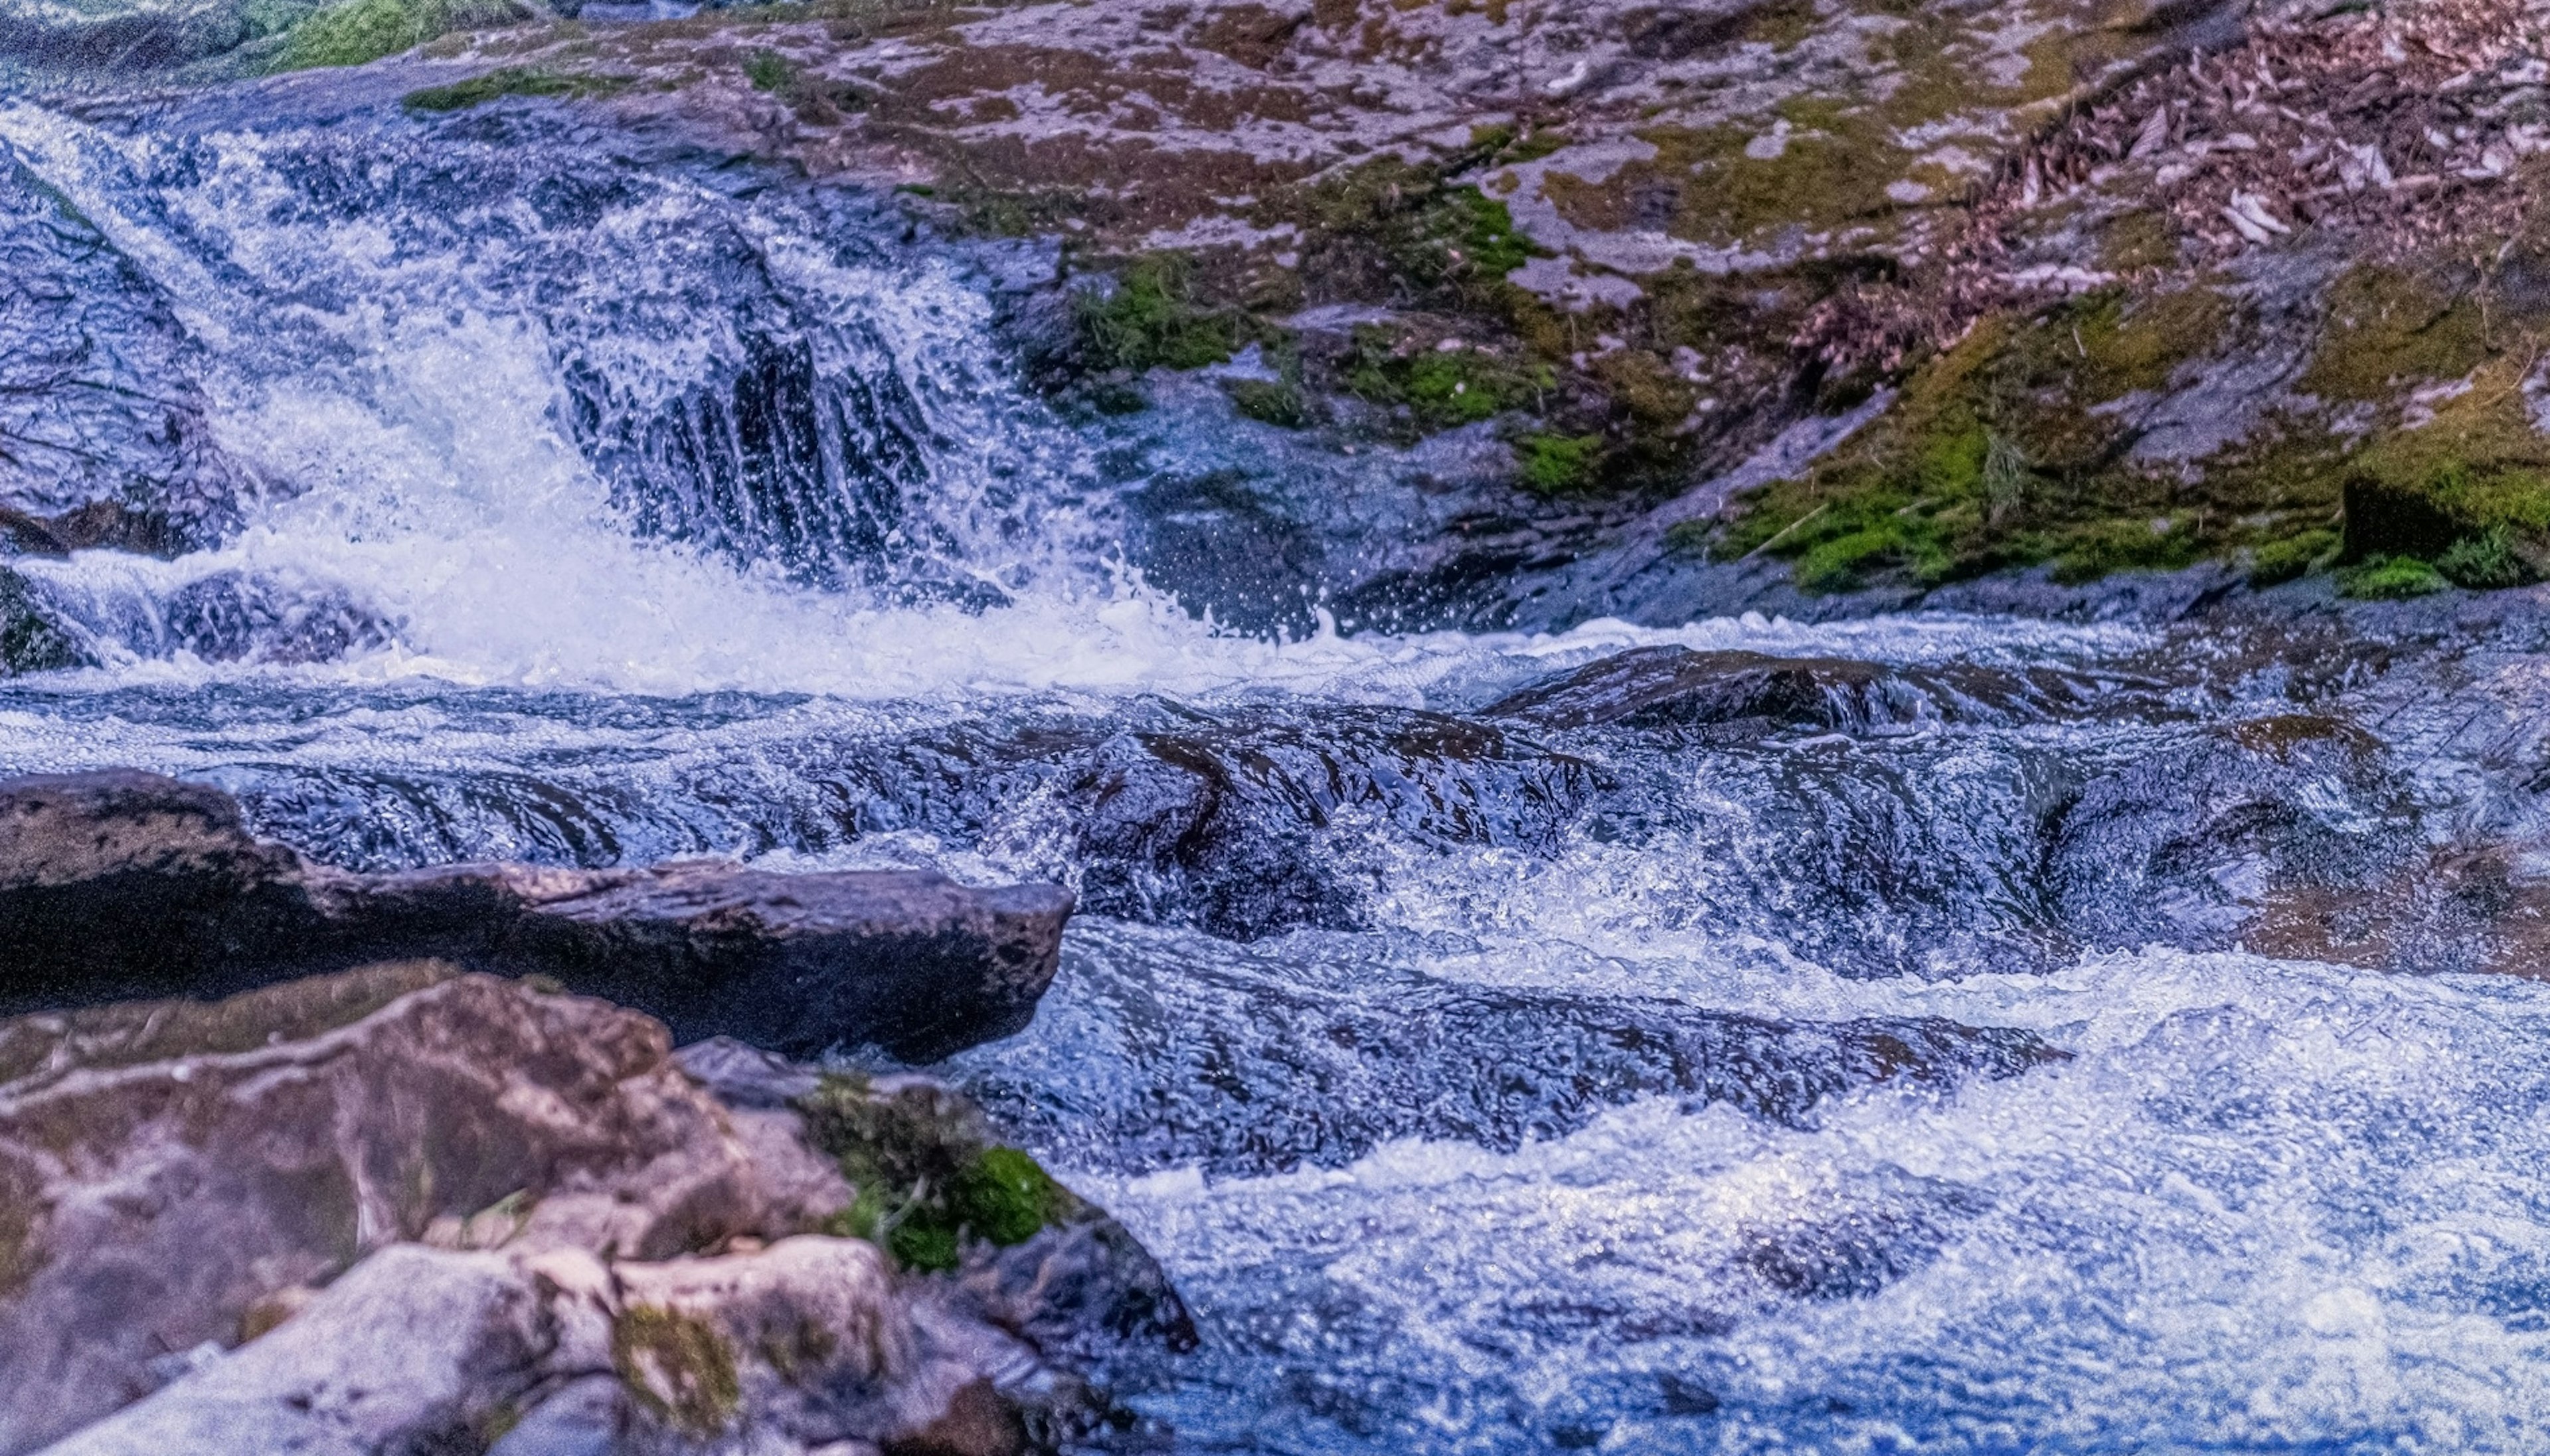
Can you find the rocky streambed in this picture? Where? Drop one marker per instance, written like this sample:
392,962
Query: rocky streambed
1663,729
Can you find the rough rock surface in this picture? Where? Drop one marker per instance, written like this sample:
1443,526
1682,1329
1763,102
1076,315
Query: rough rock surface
119,883
1510,313
538,1203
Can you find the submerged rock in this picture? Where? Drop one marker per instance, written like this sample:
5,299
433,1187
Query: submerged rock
121,883
427,1206
1245,1071
1225,825
2187,845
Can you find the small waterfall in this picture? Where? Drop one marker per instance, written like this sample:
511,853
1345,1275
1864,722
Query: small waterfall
492,402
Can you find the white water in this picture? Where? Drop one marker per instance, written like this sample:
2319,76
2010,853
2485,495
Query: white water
2267,1206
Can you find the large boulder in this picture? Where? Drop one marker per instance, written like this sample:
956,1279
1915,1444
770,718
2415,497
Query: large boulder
405,1208
118,884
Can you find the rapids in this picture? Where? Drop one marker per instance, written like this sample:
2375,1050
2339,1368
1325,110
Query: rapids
1922,1070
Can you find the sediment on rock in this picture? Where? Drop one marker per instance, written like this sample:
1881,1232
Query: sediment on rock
117,885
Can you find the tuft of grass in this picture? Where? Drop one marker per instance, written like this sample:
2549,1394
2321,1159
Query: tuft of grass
513,81
1274,402
676,1367
1555,464
2390,579
2487,562
768,70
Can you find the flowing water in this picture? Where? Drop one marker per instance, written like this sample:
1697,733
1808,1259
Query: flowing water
1894,1065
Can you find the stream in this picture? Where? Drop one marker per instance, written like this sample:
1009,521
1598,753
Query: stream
1918,1033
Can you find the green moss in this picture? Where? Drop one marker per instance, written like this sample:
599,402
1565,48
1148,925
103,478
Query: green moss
676,1367
2391,327
2293,556
1440,388
1555,464
2391,578
2156,544
1389,228
511,81
1153,320
1005,1197
2477,470
1271,401
364,31
927,1175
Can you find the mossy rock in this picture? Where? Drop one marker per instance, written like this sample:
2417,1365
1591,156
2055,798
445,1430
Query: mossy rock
1153,318
364,30
676,1367
1556,464
930,1177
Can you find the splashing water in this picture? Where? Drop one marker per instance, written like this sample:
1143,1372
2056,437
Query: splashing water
1614,1088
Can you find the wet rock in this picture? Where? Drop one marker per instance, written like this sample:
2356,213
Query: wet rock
2187,845
31,639
406,1207
98,525
121,883
1677,687
103,434
1234,826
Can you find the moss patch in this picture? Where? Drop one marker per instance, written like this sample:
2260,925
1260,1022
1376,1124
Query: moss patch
2391,578
1270,401
512,81
2389,329
1153,319
2013,448
677,1368
1555,464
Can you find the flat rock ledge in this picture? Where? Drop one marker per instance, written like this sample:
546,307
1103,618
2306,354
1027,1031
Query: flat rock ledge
120,885
408,1208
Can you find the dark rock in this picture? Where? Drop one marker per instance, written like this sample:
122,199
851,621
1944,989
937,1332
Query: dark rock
31,640
230,617
95,526
1675,687
119,883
